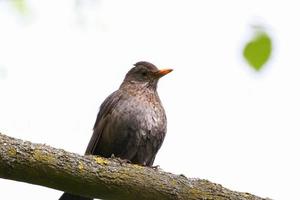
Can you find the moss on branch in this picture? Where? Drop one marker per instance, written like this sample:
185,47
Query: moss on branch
99,177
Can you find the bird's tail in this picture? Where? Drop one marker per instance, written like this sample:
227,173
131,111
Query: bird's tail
68,196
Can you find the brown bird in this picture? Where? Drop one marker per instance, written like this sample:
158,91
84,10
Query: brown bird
131,123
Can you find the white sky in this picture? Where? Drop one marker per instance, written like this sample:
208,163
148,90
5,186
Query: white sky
226,123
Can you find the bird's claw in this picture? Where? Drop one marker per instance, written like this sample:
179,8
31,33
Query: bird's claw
121,161
155,167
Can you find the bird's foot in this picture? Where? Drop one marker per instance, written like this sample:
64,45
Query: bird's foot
120,160
123,161
112,156
155,167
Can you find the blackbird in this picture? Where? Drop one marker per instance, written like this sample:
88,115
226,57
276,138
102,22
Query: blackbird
131,123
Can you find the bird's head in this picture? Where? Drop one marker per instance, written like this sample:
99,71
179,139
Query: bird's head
146,74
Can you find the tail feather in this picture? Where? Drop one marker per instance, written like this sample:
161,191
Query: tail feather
68,196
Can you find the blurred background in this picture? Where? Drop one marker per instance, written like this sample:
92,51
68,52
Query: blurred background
232,100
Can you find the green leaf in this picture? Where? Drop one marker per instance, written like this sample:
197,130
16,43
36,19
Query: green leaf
20,5
258,50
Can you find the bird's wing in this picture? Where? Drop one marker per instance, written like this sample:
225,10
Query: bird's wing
105,109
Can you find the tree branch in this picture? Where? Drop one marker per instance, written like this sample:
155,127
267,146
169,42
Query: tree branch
100,177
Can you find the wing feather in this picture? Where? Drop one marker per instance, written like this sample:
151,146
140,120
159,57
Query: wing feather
102,119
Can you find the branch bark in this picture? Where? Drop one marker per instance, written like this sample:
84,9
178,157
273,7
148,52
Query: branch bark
99,177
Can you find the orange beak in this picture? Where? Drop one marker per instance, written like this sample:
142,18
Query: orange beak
163,72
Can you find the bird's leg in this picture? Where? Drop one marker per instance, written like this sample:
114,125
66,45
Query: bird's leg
120,160
123,161
155,167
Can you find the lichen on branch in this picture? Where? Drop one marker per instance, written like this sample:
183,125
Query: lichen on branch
99,177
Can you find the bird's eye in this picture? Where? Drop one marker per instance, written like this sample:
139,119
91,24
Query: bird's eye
144,73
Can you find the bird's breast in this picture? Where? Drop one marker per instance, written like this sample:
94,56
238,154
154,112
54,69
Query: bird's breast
145,114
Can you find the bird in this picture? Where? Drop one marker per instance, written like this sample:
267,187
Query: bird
131,123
